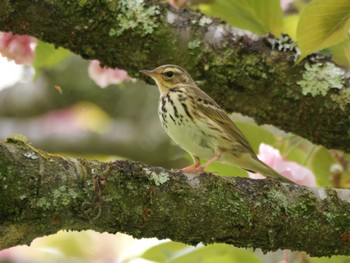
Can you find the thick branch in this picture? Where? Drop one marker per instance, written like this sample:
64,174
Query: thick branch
42,193
242,72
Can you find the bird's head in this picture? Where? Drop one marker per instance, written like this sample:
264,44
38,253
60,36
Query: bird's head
169,76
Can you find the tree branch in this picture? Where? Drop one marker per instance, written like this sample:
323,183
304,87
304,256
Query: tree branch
241,71
42,193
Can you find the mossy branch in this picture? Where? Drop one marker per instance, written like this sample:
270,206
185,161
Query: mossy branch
242,72
42,193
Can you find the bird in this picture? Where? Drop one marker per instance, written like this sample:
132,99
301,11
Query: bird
195,122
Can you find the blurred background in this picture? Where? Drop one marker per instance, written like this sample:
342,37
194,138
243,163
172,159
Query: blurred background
64,104
63,110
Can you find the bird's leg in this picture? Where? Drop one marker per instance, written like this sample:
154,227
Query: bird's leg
202,168
190,168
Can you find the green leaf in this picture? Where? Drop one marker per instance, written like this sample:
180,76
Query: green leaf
222,169
290,24
341,53
297,155
260,17
334,259
46,55
174,252
163,252
226,170
323,23
215,253
256,135
321,162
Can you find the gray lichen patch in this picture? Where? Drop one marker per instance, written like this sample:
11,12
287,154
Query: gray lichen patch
343,195
215,34
205,21
170,17
319,193
193,180
319,78
285,43
158,178
135,15
194,44
342,98
31,155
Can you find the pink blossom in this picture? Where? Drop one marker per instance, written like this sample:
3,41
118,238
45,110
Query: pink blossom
106,76
291,170
285,4
19,48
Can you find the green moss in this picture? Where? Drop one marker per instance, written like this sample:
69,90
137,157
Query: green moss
17,139
3,176
231,203
82,3
135,15
319,78
5,9
277,197
254,68
43,203
61,197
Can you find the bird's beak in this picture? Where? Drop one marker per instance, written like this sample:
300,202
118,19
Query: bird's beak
149,73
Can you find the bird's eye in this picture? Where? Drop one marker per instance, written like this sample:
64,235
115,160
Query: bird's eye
169,74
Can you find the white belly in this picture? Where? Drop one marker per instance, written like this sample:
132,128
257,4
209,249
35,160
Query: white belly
186,133
190,139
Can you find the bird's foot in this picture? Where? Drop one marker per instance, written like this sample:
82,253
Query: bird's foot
199,170
190,169
193,170
196,169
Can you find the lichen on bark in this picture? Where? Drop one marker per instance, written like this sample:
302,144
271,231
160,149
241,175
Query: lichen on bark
47,193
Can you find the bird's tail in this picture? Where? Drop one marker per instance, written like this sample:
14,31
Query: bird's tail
251,163
265,170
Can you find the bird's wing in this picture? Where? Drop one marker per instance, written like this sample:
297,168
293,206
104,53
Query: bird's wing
212,110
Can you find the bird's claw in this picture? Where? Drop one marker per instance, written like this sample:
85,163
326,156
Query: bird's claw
198,170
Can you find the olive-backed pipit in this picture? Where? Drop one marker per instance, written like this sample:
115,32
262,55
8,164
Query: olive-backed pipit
197,124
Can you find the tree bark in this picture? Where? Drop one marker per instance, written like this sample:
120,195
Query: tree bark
42,193
242,72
